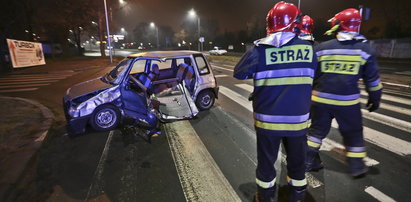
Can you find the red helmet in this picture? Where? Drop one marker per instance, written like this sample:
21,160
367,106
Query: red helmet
307,25
282,18
348,19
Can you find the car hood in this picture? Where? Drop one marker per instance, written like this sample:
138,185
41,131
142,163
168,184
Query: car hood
86,87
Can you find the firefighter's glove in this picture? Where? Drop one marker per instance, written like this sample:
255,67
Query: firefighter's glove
372,105
251,97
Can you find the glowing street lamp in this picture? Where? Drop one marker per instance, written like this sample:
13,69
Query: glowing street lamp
192,14
153,25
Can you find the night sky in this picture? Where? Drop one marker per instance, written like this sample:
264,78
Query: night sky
232,15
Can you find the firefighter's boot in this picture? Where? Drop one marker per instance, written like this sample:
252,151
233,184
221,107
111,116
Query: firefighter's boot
265,195
357,167
313,161
296,194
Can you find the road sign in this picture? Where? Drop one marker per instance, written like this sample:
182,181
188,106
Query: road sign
201,39
25,53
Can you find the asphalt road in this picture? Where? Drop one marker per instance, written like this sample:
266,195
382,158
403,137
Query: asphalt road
119,166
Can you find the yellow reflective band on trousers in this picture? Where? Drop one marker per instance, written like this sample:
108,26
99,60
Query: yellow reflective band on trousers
313,144
297,183
375,88
284,81
347,58
356,154
334,102
265,185
281,126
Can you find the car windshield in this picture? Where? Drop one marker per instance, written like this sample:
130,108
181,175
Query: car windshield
115,75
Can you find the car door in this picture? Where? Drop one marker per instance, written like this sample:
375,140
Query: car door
134,98
206,78
175,103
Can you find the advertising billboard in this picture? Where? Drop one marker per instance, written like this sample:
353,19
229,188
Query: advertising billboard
25,53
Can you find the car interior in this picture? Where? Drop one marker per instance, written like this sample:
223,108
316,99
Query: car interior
168,84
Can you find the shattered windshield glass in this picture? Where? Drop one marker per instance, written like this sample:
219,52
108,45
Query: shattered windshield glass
115,75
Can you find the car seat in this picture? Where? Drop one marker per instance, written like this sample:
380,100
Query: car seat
181,72
154,73
189,79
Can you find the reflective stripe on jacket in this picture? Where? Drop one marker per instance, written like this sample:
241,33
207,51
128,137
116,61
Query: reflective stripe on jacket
283,78
340,65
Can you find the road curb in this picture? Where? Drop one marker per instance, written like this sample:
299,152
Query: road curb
200,177
17,162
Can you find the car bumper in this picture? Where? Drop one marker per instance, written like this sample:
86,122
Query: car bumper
216,89
77,126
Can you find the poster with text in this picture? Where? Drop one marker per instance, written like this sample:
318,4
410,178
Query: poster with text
25,53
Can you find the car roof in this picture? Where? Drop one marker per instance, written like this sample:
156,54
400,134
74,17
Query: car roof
163,54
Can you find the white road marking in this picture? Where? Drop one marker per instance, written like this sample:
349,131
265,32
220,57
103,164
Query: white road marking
329,145
377,194
246,87
237,98
32,79
27,82
36,76
387,120
391,98
219,67
200,176
241,100
220,75
390,143
396,84
311,180
23,86
18,90
393,108
386,90
97,185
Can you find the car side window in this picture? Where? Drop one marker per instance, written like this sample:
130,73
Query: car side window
163,64
138,66
201,64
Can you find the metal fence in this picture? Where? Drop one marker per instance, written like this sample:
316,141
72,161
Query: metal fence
392,48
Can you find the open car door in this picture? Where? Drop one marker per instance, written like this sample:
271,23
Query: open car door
175,103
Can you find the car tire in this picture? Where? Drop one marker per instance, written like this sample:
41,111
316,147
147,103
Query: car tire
205,100
105,118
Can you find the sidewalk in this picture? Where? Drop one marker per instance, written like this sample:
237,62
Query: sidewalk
23,126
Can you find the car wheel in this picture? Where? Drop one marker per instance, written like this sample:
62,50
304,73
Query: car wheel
205,100
105,118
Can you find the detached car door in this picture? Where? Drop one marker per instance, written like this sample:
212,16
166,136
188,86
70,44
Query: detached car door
175,103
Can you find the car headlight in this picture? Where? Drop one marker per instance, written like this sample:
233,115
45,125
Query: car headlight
71,111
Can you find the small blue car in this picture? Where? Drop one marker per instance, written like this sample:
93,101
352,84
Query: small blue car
142,89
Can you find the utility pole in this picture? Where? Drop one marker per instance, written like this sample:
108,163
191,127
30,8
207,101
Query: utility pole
108,32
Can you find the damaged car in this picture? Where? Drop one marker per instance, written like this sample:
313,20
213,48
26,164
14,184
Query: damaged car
145,88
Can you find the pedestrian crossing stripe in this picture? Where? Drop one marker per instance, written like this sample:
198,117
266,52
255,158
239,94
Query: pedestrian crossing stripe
20,82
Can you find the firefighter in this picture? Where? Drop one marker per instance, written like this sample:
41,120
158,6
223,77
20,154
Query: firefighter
306,29
341,63
282,67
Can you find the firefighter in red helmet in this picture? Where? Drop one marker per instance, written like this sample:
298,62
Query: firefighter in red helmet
282,67
306,29
342,62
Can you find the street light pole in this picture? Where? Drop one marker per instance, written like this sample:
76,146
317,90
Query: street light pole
198,21
108,32
153,25
193,14
158,45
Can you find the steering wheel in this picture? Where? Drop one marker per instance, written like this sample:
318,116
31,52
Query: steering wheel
137,82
